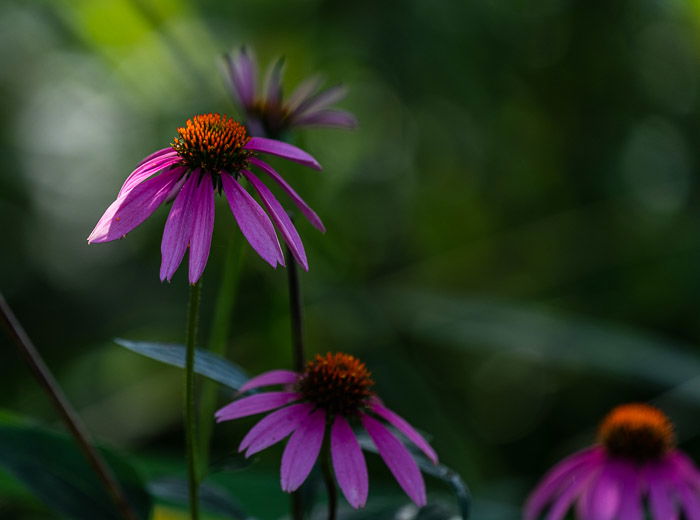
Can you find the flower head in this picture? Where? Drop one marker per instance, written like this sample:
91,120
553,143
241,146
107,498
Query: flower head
334,391
267,113
212,153
635,463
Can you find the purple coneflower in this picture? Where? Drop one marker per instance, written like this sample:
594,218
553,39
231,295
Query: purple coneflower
333,392
635,463
270,115
213,153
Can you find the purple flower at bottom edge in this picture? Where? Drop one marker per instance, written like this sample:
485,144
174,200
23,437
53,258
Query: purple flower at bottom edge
332,392
272,115
636,463
213,153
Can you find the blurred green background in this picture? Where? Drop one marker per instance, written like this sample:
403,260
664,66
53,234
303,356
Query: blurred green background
513,230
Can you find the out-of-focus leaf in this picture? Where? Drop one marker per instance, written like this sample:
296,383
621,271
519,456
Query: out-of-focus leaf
205,363
569,341
213,499
52,467
440,471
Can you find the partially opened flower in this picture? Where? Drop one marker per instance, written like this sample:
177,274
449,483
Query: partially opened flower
267,113
635,467
333,393
213,153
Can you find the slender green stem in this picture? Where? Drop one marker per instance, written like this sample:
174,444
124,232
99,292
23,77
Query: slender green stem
295,314
218,337
331,490
46,379
190,408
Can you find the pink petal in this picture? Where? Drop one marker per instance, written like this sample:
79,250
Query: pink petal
273,377
155,155
274,427
411,434
203,227
178,228
243,72
147,169
255,404
323,99
127,212
280,149
575,486
302,450
660,502
349,463
557,478
689,500
253,222
305,89
604,496
280,218
331,118
398,459
630,494
303,207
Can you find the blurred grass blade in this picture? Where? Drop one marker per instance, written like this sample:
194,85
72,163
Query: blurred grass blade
54,470
213,499
439,471
206,364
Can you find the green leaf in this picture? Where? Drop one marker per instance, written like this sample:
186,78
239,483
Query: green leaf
205,363
53,468
213,499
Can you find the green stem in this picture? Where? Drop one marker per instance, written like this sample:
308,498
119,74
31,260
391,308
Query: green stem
218,337
331,490
190,408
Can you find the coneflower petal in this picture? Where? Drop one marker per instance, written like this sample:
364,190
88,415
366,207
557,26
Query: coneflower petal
253,222
349,463
274,427
273,377
255,404
335,118
178,228
147,169
400,424
603,497
203,227
398,459
281,149
302,450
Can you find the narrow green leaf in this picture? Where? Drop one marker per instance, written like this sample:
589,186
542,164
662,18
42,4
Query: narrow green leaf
206,364
53,469
213,499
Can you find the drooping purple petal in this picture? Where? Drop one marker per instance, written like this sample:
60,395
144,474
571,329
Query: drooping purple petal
349,463
559,476
280,218
400,424
300,94
332,118
202,228
273,377
255,404
398,459
127,212
660,501
274,427
178,228
603,497
243,72
573,490
298,201
284,150
689,499
323,99
630,494
155,155
273,83
253,222
146,170
302,450
684,466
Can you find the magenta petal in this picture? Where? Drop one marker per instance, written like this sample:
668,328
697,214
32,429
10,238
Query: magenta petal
274,427
127,212
349,463
280,149
303,207
273,377
689,499
203,227
303,92
242,72
337,118
630,494
660,501
603,498
280,218
573,490
146,170
553,482
398,459
155,155
323,99
253,222
255,404
411,434
178,228
302,450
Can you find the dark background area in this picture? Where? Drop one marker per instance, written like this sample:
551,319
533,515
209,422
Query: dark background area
513,231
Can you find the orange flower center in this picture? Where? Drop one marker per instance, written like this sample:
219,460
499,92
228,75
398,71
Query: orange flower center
214,143
339,383
637,431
